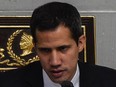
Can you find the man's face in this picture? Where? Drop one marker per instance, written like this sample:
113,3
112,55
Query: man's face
58,53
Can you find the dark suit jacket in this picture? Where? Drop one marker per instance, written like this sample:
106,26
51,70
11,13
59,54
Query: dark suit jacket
31,76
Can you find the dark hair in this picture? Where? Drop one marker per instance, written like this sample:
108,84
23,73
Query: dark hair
49,16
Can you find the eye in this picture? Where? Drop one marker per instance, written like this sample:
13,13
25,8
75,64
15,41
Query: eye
63,48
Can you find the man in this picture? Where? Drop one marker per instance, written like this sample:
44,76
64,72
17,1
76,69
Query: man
58,40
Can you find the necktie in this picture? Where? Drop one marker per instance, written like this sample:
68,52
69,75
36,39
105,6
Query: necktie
67,84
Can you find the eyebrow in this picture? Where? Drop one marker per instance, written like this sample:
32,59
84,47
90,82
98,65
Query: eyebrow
64,46
55,47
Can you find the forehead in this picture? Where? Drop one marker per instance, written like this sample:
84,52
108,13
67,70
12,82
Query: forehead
60,35
62,30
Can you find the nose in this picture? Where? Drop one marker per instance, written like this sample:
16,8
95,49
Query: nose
55,59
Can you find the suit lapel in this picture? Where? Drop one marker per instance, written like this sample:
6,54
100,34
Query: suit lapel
33,75
83,79
88,77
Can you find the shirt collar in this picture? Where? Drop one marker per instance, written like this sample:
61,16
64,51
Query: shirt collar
75,79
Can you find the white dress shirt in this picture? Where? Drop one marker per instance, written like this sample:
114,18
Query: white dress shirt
49,83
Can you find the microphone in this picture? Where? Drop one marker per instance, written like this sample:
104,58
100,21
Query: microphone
67,84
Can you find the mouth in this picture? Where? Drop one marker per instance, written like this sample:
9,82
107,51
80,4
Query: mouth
57,73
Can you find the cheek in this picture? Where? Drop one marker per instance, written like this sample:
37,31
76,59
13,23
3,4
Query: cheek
44,61
71,58
73,55
71,62
44,64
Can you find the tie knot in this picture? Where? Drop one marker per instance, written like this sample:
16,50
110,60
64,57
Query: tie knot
67,84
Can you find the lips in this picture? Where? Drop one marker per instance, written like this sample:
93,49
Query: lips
57,73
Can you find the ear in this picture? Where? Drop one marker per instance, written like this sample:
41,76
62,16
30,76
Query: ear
81,42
